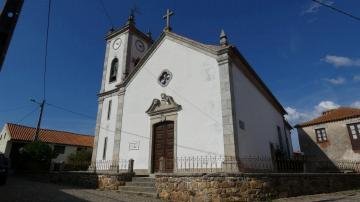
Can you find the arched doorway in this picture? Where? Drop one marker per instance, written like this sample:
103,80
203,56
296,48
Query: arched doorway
163,147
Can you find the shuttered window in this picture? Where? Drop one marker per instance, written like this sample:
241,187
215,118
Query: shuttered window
354,133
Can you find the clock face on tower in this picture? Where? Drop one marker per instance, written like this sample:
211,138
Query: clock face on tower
140,45
117,44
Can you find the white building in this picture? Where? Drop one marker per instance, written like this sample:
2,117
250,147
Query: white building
15,136
176,97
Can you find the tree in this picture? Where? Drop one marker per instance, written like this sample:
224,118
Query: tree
36,156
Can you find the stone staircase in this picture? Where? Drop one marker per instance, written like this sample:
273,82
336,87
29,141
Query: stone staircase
144,186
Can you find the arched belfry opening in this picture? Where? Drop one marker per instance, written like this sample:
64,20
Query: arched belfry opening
114,70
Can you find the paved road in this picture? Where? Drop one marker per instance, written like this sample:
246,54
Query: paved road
344,196
19,189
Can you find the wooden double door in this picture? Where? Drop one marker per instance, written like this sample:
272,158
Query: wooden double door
163,147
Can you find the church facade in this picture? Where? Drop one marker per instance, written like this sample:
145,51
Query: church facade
175,97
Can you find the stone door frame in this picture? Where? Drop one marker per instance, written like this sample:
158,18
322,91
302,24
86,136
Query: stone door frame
155,120
162,110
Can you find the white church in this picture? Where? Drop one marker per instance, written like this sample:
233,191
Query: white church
175,97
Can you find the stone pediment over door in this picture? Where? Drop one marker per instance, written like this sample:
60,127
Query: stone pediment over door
163,106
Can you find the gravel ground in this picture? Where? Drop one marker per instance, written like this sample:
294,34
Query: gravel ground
19,189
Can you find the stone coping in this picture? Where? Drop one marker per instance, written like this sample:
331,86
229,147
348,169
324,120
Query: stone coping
89,173
252,174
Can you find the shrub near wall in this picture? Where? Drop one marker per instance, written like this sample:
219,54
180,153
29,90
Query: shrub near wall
250,187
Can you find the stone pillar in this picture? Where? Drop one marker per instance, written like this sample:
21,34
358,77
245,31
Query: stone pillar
96,138
131,166
228,109
117,137
105,67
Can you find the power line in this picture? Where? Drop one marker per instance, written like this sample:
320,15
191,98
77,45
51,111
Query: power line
125,132
46,49
27,115
106,14
15,108
70,111
336,9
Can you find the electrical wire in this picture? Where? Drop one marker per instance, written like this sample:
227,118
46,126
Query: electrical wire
106,13
15,108
336,9
46,49
123,131
27,115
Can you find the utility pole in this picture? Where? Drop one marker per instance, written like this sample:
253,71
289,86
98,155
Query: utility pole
42,105
8,19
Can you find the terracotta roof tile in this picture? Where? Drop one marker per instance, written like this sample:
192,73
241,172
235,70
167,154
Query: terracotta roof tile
338,114
25,133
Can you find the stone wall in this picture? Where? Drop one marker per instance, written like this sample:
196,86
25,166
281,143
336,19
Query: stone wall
250,187
105,181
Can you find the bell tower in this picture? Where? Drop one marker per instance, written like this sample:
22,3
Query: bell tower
124,49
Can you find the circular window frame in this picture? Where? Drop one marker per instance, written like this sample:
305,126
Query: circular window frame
161,74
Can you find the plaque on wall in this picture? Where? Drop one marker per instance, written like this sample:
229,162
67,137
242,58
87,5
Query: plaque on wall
135,145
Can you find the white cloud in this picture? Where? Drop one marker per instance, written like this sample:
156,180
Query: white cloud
324,106
340,61
314,7
336,81
356,78
356,104
295,116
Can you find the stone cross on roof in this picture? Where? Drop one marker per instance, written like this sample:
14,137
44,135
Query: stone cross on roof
167,17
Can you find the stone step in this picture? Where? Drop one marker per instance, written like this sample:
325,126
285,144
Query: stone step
137,189
143,179
141,184
146,194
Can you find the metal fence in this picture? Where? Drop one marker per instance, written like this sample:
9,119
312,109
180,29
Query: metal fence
97,166
221,164
213,164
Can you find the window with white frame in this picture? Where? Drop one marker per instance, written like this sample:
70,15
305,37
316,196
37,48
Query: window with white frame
321,135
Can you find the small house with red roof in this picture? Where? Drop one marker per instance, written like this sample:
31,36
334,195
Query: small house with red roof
14,136
334,135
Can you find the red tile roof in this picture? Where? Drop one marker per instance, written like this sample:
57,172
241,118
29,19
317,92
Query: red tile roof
25,133
338,114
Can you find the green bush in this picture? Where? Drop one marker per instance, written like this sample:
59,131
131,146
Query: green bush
36,156
79,160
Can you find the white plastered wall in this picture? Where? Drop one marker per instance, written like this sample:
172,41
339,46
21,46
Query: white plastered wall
259,116
107,128
5,144
195,85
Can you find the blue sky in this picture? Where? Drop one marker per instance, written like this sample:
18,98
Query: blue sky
309,56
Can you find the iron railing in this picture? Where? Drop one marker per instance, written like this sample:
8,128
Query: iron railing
213,164
96,166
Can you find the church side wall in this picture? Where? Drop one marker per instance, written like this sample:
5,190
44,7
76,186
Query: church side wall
195,86
259,117
107,128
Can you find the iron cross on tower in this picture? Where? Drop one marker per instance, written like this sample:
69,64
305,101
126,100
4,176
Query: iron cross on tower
167,17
